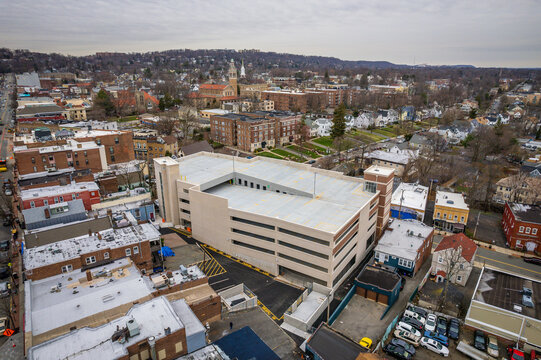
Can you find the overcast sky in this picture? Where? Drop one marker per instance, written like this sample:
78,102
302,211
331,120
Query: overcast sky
477,32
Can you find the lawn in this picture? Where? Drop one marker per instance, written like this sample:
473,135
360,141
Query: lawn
269,155
304,151
324,140
371,136
288,155
318,149
384,133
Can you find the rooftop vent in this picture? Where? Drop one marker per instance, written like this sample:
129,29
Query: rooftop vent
133,327
517,308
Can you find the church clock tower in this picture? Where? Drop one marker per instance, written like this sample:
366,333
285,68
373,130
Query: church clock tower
233,77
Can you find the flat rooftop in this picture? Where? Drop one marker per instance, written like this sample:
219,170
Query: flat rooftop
378,277
329,344
504,290
449,199
152,317
337,197
70,145
58,190
528,213
412,196
73,248
77,298
403,237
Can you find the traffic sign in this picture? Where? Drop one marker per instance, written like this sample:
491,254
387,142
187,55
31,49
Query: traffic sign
8,332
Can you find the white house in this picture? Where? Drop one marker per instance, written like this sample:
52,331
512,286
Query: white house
384,117
453,258
323,126
364,120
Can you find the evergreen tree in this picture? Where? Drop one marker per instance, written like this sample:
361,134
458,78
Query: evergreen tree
338,128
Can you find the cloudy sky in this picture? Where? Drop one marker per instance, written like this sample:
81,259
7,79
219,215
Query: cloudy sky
482,33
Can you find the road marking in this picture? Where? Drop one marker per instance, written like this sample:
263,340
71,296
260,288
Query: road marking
501,262
211,267
185,233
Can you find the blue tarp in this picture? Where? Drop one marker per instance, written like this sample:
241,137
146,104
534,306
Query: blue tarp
166,250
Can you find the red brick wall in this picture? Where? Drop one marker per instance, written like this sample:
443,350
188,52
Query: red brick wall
122,152
516,239
167,343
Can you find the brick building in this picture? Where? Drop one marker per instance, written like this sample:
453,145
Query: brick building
251,131
91,250
69,154
287,100
88,192
522,227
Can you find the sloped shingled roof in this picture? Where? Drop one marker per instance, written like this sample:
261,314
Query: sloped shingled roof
453,241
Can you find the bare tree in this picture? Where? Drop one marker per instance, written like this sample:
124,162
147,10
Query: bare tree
453,263
302,132
326,162
167,124
187,122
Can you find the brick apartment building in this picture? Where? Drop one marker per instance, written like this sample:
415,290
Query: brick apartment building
287,100
522,227
70,154
88,251
88,192
251,131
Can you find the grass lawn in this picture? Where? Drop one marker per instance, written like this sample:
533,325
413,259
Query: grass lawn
324,140
124,119
373,137
304,151
384,132
287,154
318,149
269,155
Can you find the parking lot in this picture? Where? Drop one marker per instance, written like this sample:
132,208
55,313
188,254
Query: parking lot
489,228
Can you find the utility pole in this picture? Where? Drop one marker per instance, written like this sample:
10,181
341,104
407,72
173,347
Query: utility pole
476,224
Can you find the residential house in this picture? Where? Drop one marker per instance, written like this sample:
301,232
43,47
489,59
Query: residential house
59,213
420,142
395,158
385,117
450,212
519,188
407,113
195,148
324,126
364,120
88,192
405,245
454,255
409,201
522,226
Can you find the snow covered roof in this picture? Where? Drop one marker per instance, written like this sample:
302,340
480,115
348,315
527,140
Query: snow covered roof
75,247
403,238
397,156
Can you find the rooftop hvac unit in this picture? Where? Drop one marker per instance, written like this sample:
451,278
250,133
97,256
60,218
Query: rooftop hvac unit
517,308
133,327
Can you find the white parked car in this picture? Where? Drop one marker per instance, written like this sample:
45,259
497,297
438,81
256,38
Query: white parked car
407,337
430,324
434,346
414,315
407,327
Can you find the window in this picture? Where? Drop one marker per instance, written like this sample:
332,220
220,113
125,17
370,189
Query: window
302,262
111,149
438,215
90,260
77,195
462,219
521,229
440,259
35,169
257,236
136,249
461,267
112,158
61,199
162,354
77,162
56,200
32,204
43,159
45,202
75,154
86,161
370,187
116,140
51,158
405,263
33,160
303,236
253,247
534,231
98,141
128,252
85,153
67,268
298,248
254,223
178,347
106,255
528,230
456,217
459,278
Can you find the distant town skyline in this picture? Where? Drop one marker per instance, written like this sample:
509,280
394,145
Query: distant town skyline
483,33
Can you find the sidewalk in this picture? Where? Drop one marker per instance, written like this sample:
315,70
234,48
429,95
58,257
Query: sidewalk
11,352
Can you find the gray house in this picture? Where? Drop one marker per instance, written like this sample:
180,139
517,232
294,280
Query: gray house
60,213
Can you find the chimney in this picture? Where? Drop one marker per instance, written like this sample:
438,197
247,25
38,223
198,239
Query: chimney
47,213
89,232
89,275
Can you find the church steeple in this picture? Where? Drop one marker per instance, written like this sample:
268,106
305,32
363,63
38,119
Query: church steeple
232,74
242,70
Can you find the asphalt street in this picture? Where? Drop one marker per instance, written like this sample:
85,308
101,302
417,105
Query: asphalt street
502,261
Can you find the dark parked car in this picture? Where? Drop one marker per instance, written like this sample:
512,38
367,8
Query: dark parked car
4,272
532,260
4,245
480,340
414,323
441,326
442,339
417,309
398,352
454,329
399,342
